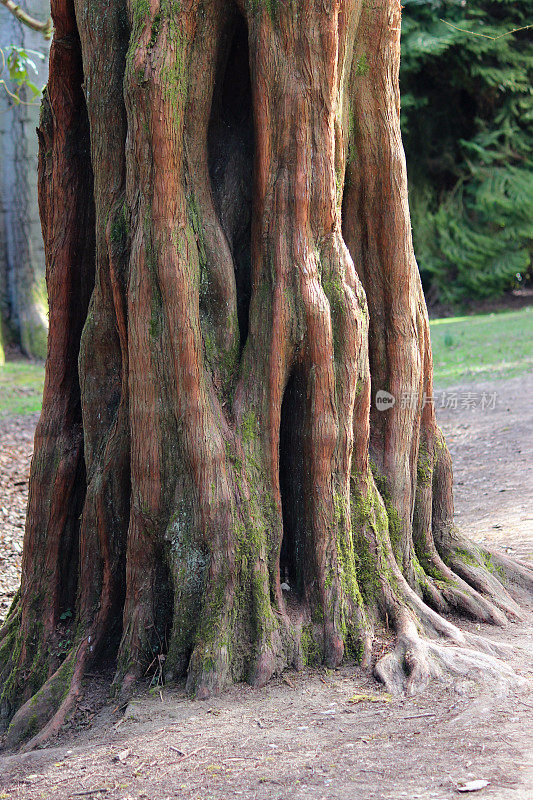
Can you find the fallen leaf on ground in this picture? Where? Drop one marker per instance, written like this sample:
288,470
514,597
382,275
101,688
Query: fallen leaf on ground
473,786
123,755
370,698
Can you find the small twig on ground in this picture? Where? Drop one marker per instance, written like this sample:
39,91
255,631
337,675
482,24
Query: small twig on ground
419,716
528,705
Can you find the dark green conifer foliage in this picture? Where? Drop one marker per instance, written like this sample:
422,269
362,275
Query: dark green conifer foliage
467,116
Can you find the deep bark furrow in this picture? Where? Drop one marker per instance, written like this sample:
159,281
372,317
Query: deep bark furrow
218,295
103,354
378,206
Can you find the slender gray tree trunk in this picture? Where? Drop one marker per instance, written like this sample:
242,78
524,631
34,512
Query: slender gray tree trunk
22,281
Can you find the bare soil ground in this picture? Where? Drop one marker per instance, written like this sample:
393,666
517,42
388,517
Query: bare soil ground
16,447
306,735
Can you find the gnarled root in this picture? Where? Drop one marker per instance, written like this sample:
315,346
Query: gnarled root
42,716
491,573
428,646
417,660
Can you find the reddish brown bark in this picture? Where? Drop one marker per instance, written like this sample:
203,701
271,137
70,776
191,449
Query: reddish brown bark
58,472
248,241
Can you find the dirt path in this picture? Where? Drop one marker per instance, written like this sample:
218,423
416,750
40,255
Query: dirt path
492,451
16,446
301,737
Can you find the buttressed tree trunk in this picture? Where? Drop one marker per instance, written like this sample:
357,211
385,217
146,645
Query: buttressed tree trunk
232,281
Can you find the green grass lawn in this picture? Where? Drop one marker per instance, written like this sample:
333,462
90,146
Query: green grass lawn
21,387
465,349
486,346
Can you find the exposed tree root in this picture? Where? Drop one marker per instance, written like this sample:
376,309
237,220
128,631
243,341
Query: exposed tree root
417,660
427,645
516,572
42,716
408,668
453,589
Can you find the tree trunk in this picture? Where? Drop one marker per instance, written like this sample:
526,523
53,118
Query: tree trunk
23,310
214,491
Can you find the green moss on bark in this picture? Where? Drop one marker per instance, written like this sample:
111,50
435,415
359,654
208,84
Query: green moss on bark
310,647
